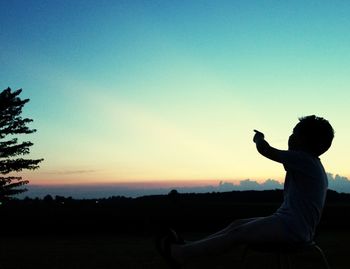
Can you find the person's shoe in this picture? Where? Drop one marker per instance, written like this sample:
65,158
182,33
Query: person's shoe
163,246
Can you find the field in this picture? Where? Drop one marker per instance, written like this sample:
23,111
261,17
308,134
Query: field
63,233
128,251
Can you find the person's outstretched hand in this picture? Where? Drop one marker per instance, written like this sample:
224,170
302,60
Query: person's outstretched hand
258,136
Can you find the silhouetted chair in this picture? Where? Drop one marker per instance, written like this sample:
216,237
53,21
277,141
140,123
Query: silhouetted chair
308,255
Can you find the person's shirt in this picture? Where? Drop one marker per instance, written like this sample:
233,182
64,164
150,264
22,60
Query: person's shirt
305,190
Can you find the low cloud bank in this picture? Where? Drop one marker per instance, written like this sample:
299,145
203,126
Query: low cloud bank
336,182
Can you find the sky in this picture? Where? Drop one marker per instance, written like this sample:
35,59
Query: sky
165,91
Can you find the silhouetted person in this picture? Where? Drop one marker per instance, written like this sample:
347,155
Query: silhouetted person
295,221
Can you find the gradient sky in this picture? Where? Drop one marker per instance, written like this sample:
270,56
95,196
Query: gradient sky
125,91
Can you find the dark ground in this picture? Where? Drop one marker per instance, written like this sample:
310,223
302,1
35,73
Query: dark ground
118,232
127,251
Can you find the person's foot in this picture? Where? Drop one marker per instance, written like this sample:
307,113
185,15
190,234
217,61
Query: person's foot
176,253
168,245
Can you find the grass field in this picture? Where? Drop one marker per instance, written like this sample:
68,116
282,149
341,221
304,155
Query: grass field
126,251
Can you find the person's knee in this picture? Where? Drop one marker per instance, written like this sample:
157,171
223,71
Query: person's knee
237,223
237,227
236,233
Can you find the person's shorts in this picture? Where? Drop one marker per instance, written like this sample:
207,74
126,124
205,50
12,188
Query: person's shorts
291,234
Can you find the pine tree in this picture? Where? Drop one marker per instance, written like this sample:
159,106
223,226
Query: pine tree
11,150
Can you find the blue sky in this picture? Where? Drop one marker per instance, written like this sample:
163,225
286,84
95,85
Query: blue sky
125,91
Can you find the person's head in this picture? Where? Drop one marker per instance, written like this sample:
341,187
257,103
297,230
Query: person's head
312,134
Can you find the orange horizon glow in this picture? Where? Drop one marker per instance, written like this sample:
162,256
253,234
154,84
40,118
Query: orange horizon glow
160,183
39,179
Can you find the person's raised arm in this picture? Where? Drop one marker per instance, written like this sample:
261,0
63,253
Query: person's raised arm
264,148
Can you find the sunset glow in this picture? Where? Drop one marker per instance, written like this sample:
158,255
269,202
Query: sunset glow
169,92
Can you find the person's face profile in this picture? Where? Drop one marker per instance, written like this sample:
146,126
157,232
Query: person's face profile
294,141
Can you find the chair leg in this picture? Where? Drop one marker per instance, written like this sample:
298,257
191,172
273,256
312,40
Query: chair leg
284,261
244,257
323,256
280,260
289,262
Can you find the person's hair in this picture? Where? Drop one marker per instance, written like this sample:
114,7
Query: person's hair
317,133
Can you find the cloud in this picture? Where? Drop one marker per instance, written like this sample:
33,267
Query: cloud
272,184
249,184
71,172
338,183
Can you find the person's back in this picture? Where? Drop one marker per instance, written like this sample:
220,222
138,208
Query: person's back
305,190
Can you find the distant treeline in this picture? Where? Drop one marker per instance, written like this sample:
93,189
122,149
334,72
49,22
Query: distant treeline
203,212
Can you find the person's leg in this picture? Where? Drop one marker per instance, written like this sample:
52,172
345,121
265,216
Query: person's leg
261,230
231,226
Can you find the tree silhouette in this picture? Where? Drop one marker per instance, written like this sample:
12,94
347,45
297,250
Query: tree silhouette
11,150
